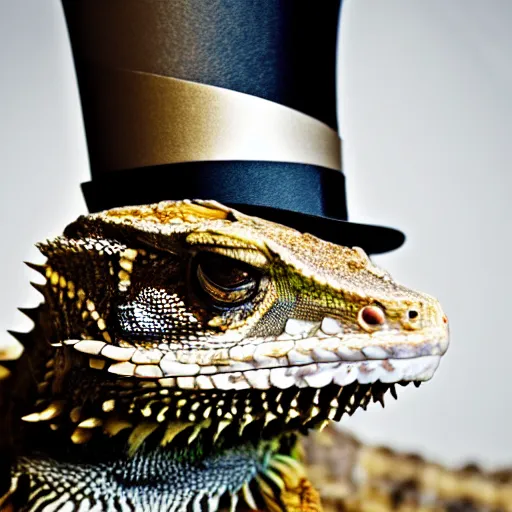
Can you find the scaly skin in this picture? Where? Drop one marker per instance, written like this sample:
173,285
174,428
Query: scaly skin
180,350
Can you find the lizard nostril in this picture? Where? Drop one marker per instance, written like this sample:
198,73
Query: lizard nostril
411,319
371,316
412,314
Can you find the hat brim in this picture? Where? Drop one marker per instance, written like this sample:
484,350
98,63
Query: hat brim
373,239
305,197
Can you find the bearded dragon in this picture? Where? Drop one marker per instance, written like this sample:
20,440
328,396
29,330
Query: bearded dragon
181,350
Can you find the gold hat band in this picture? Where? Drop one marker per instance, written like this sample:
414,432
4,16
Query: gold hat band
150,119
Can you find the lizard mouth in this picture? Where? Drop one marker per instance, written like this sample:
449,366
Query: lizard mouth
250,400
252,389
263,363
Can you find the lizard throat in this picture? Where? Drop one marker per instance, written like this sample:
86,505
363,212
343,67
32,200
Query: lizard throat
132,412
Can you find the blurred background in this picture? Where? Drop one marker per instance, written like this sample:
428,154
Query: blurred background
426,116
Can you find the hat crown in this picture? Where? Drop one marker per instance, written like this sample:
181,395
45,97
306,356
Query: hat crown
281,50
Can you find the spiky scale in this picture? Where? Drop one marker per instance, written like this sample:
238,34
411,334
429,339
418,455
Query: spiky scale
41,269
41,288
4,372
220,427
246,420
75,414
32,313
213,503
275,478
269,416
81,435
378,392
108,405
91,423
248,496
234,502
139,434
265,488
289,474
197,431
172,430
113,426
52,411
289,461
322,425
25,338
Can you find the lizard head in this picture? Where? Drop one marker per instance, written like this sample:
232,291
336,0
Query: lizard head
195,312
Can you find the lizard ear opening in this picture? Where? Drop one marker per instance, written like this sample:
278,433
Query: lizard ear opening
226,281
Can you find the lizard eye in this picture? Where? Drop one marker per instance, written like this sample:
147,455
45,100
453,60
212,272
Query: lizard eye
227,281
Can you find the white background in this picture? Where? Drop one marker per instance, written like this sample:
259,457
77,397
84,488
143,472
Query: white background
426,116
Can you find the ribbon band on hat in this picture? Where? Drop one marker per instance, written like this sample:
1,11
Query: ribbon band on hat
151,119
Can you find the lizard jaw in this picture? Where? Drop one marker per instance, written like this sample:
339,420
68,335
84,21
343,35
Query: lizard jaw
261,364
250,401
314,375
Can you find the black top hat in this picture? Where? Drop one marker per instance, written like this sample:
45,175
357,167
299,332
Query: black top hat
233,100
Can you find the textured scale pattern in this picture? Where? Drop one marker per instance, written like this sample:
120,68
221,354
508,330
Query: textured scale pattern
181,350
117,485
